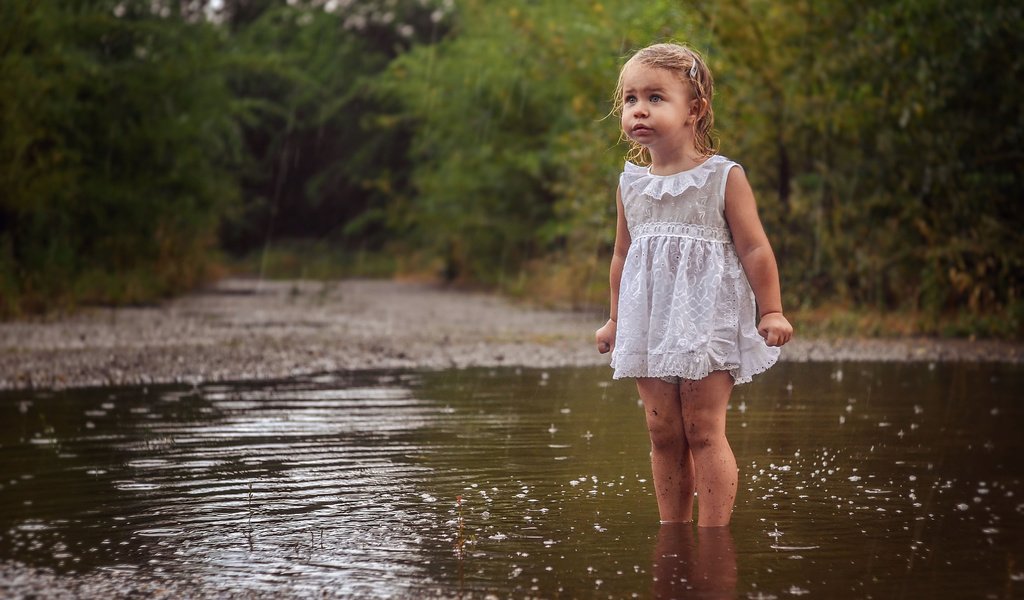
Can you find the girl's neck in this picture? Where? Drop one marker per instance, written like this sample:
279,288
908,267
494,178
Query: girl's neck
669,163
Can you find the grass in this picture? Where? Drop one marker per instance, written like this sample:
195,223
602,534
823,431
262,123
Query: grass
573,285
837,320
559,282
300,259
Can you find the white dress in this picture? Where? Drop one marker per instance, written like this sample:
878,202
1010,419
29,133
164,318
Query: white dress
685,306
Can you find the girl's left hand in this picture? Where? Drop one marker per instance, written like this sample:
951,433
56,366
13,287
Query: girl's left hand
775,329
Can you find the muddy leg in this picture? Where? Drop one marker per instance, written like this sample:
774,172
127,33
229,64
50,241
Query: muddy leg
703,405
671,464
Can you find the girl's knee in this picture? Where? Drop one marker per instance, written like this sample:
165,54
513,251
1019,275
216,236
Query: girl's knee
704,430
665,433
704,405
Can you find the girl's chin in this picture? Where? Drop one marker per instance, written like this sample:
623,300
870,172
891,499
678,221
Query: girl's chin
643,140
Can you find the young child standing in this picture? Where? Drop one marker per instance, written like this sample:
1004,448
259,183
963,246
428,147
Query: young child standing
691,258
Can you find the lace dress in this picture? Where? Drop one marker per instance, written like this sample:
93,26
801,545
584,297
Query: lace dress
685,306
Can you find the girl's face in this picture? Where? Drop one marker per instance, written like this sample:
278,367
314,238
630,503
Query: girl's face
657,109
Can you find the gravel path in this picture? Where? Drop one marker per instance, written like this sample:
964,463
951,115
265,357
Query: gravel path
243,329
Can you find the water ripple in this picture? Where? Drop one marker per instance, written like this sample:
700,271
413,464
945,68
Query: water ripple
508,482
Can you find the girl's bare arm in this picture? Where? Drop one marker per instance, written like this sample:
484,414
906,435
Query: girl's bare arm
605,336
756,256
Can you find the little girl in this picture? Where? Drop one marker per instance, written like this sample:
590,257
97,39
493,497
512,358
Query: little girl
691,258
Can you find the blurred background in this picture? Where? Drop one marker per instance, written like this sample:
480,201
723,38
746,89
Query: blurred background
150,146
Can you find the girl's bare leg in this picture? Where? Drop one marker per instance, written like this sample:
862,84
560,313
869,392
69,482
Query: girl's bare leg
703,407
671,464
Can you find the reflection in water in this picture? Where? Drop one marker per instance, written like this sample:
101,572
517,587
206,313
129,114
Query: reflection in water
693,565
864,481
234,488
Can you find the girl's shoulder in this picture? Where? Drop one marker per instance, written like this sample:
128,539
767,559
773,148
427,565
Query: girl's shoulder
640,180
712,163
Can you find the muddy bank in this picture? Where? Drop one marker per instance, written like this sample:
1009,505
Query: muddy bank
242,329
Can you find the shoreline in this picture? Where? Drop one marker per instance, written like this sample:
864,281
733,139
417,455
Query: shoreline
250,330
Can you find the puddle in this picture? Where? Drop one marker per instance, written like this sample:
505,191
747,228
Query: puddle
856,480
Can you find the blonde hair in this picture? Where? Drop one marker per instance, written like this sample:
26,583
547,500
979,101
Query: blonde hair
681,61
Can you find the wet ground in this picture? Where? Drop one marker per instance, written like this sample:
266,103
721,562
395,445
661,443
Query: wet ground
858,480
248,329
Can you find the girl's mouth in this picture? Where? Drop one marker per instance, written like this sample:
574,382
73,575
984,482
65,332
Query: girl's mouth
641,129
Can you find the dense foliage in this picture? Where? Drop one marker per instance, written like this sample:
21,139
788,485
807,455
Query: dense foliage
883,139
113,152
887,147
470,139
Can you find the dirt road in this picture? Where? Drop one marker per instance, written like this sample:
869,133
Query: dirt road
242,329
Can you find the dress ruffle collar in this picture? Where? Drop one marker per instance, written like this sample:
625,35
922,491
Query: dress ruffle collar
657,186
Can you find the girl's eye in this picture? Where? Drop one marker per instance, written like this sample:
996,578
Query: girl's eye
655,98
630,99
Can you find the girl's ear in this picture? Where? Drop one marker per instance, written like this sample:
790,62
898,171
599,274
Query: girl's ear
698,108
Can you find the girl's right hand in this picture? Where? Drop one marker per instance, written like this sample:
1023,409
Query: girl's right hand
605,337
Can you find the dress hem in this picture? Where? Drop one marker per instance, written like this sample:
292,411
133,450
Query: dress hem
639,365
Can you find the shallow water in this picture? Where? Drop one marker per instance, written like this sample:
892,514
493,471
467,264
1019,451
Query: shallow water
857,481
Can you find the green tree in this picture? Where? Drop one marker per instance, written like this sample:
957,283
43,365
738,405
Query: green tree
322,156
514,162
952,126
884,148
116,136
